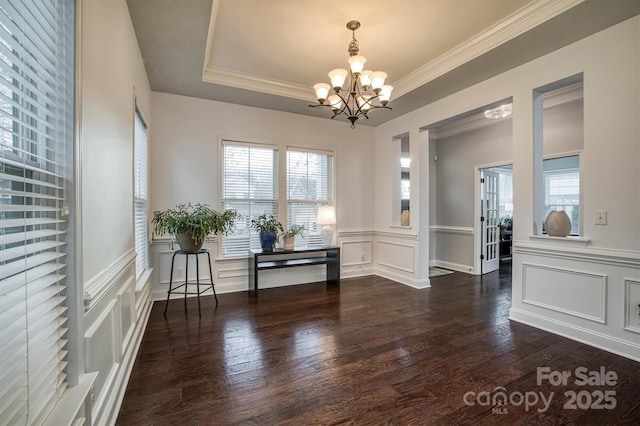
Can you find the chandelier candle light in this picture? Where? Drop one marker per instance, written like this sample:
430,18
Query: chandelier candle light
365,89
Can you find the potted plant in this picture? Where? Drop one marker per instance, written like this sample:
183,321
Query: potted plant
289,236
268,228
190,225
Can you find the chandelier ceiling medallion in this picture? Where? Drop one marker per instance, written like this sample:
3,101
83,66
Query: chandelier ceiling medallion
356,91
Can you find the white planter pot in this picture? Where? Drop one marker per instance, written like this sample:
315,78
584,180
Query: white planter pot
289,243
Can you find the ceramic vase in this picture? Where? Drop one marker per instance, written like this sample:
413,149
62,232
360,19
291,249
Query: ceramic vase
557,224
405,218
289,243
267,240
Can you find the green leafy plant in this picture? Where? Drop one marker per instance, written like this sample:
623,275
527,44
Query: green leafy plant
507,220
199,221
267,224
293,230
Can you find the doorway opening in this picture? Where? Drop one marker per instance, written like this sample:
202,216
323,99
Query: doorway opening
495,217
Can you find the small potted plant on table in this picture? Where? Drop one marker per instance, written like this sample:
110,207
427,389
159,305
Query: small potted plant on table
190,225
268,228
289,236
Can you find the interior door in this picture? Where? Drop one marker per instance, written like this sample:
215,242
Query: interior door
490,222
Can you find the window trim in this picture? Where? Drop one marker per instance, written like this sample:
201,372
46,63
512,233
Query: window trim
282,201
574,153
138,111
222,141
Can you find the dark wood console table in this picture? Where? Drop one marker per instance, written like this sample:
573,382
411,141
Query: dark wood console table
260,260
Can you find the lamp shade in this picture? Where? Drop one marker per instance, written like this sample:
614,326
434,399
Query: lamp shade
385,94
357,63
322,90
337,77
335,102
326,216
377,80
365,78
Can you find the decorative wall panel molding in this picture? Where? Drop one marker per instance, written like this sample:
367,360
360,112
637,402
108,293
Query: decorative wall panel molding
356,233
396,255
397,235
355,253
459,230
590,337
557,289
632,305
97,286
622,258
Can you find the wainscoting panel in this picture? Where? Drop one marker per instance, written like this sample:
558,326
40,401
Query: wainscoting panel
102,351
114,324
589,294
632,305
355,253
127,314
396,255
557,289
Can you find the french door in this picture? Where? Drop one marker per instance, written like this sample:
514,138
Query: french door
490,221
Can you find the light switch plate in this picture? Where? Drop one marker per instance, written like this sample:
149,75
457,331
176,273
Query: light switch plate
601,217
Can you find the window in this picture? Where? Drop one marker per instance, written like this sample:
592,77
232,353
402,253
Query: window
562,188
309,187
249,186
36,223
140,194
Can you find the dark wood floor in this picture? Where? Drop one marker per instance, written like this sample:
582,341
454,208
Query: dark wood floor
373,351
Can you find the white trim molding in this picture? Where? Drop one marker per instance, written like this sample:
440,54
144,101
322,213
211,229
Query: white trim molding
569,240
605,342
468,269
530,16
242,80
621,258
96,287
586,278
458,230
631,306
397,235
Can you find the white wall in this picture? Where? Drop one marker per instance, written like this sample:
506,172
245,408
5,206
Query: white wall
609,160
461,153
111,73
185,168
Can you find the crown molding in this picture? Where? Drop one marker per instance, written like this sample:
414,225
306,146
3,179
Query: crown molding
257,83
521,21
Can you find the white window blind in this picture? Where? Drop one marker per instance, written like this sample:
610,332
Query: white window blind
36,143
140,194
562,192
249,186
309,187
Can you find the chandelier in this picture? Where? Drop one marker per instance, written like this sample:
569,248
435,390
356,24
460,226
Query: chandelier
356,91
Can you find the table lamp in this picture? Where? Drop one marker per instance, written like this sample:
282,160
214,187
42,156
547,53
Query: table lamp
327,218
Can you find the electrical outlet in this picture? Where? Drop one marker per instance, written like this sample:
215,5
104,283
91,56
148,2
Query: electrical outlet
180,272
601,217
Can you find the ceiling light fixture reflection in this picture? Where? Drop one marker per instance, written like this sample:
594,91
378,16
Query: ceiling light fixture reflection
499,112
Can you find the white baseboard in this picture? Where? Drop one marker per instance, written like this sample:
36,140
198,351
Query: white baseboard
589,337
402,279
453,266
